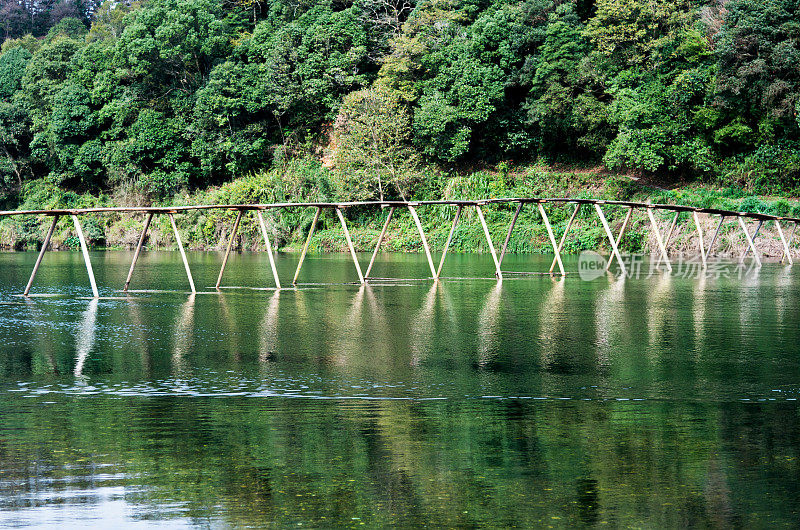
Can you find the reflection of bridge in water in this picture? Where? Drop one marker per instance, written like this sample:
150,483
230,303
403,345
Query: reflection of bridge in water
662,239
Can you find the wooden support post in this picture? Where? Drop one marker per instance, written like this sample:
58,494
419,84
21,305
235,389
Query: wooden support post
269,248
230,245
85,251
659,240
424,239
700,238
41,254
669,235
308,242
508,234
610,238
139,246
564,236
447,243
552,238
786,253
378,244
183,254
755,235
350,244
714,239
498,272
750,242
621,232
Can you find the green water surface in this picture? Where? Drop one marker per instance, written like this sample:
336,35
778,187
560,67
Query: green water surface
652,402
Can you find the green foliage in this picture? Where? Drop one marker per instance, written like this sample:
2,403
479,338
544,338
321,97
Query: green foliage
170,96
373,137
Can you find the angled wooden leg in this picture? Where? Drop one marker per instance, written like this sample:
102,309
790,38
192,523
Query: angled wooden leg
750,242
230,245
714,239
425,246
659,240
669,237
621,232
610,238
41,254
378,244
498,272
755,235
564,235
139,246
700,238
269,248
552,238
85,251
350,244
183,254
447,243
786,254
305,247
508,234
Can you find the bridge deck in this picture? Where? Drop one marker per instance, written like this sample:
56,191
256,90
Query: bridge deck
596,204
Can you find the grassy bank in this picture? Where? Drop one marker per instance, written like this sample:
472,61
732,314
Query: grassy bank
308,181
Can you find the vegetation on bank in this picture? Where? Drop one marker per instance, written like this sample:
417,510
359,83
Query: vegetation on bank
167,97
185,101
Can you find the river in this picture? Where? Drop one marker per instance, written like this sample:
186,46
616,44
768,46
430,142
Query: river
656,401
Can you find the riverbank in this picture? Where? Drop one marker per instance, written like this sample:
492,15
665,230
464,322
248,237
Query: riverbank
309,181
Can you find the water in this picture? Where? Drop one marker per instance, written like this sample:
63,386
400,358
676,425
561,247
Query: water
656,402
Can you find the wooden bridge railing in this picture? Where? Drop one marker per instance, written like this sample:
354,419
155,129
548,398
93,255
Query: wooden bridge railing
595,204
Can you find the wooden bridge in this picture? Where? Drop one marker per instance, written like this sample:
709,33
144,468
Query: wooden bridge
662,239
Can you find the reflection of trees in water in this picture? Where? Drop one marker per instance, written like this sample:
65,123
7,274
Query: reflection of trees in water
233,333
457,463
43,354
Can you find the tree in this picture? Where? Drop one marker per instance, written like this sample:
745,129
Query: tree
373,144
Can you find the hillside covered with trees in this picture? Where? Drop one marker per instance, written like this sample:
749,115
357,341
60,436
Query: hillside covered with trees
166,96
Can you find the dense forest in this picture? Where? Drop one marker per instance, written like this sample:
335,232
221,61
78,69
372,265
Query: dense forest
162,96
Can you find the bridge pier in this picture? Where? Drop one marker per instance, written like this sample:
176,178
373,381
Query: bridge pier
230,245
85,252
138,250
621,233
380,240
610,237
183,254
308,242
786,253
449,239
269,249
750,241
716,233
700,239
660,241
425,246
498,272
564,236
41,254
755,235
350,244
552,238
510,229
